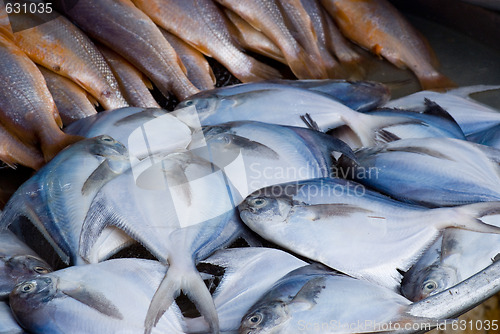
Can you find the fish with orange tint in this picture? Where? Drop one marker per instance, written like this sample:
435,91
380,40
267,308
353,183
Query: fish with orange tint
54,42
125,29
5,27
199,71
13,152
201,24
377,26
134,85
72,101
265,16
252,39
27,109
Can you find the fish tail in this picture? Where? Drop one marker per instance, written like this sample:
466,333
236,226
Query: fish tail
51,146
468,90
436,80
259,71
187,279
472,216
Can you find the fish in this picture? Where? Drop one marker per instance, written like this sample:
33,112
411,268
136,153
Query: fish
304,30
458,104
449,171
247,274
265,16
135,86
252,39
391,36
52,41
462,255
72,101
56,199
488,137
199,71
377,234
5,28
255,154
111,296
13,151
7,322
202,25
27,109
18,263
181,209
315,299
120,24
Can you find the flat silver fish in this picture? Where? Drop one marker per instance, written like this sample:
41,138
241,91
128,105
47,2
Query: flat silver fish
8,324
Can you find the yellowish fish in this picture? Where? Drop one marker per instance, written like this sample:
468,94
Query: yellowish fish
27,108
14,152
379,27
134,85
201,24
54,42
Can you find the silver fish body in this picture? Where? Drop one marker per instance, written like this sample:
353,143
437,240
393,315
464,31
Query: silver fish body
377,234
8,324
489,137
112,296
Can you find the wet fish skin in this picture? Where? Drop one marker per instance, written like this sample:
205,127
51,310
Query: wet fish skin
312,208
119,24
134,85
201,24
27,109
18,263
199,71
391,37
13,152
449,171
313,295
111,296
252,39
265,16
7,322
71,100
488,137
56,199
60,46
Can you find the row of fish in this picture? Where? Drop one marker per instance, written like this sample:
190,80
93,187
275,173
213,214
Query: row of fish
251,161
85,58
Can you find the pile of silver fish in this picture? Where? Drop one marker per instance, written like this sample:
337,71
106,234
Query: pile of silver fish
62,59
303,206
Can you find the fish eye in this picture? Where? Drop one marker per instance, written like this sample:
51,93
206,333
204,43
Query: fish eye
258,202
188,103
28,287
41,270
107,139
255,319
430,286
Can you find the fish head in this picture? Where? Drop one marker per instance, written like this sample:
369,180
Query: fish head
199,106
265,319
429,281
106,146
19,269
258,208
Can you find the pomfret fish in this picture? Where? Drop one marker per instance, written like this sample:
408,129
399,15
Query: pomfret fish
429,171
56,199
26,107
134,85
8,324
199,71
201,24
52,41
315,299
72,101
472,116
377,26
108,297
252,39
181,209
265,16
248,274
377,234
488,137
13,151
18,263
120,24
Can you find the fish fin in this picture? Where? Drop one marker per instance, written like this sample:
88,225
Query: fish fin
436,81
92,100
259,71
102,174
95,300
432,108
470,217
465,92
51,148
384,136
309,122
496,258
187,279
309,292
147,82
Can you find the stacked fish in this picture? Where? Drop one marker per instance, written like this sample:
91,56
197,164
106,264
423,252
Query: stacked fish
112,53
353,210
